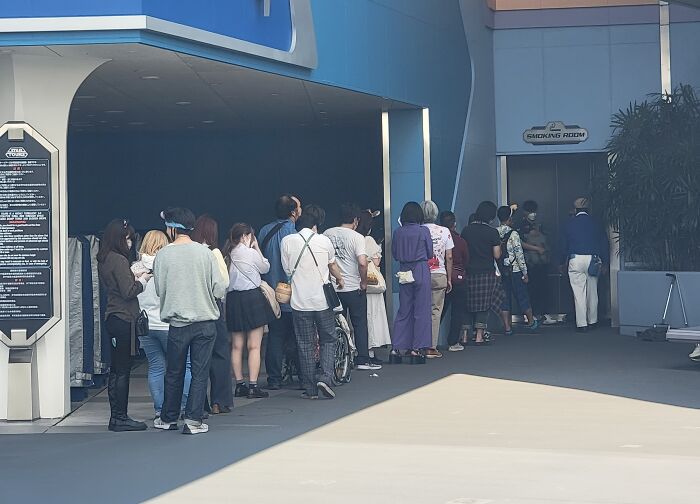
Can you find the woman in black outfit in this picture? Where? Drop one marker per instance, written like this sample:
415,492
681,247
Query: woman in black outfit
121,313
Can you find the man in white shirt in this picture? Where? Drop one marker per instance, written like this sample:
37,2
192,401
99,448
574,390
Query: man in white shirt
352,260
308,258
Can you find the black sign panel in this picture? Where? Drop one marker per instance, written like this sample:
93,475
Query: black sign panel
26,259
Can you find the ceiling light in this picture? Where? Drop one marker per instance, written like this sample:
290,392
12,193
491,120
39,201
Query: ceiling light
274,94
182,103
320,103
322,112
114,111
208,121
150,77
103,121
190,127
302,124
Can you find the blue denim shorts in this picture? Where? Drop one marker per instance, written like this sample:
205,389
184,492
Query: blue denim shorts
514,286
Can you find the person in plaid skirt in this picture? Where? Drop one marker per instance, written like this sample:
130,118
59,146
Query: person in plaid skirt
484,291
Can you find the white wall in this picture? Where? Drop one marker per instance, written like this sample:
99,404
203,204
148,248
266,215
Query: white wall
39,90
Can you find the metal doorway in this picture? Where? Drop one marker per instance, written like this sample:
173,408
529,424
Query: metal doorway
554,181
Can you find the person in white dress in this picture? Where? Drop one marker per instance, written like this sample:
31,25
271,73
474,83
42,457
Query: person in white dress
378,326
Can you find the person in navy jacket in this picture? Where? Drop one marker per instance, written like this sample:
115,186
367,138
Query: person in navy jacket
584,243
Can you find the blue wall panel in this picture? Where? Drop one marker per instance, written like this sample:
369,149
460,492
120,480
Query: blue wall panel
576,75
685,63
407,50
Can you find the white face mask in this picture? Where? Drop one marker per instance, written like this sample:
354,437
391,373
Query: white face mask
532,216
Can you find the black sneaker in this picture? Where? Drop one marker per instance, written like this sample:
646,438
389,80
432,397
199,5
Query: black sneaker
256,393
125,425
242,390
376,360
272,386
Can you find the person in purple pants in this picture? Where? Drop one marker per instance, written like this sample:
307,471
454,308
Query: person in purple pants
412,246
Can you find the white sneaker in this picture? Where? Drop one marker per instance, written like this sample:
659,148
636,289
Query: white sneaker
456,348
160,424
326,390
695,354
199,428
368,366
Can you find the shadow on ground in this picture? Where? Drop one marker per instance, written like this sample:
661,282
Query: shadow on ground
132,467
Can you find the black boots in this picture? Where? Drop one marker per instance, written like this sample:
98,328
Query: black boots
118,391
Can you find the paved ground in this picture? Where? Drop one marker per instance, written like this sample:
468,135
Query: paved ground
551,418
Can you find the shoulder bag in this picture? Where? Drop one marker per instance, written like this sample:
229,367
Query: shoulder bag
332,297
378,287
141,324
283,290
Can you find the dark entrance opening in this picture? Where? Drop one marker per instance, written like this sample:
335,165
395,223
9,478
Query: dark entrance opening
554,181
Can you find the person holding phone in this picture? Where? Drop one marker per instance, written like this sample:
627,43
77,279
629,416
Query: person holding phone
122,289
247,309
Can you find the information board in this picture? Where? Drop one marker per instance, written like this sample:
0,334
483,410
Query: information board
26,255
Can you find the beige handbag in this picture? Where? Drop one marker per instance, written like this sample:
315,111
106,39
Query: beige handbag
378,287
283,290
271,297
283,293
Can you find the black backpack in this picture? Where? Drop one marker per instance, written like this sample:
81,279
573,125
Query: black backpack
505,270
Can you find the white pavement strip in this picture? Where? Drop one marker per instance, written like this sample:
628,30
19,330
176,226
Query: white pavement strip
554,446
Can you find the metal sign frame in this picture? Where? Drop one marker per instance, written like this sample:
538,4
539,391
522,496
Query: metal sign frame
19,338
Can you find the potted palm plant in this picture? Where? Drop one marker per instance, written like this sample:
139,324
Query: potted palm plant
651,195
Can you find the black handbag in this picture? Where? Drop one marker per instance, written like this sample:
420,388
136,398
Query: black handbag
332,297
141,328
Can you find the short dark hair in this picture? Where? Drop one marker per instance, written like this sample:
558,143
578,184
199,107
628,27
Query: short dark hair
364,226
182,216
284,206
349,212
486,211
472,218
206,230
313,215
114,239
448,219
530,206
412,213
505,213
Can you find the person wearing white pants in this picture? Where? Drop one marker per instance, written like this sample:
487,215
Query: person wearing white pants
585,289
582,239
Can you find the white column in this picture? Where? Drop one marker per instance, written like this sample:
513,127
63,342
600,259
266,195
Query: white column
39,90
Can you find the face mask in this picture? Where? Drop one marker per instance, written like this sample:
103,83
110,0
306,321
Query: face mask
532,216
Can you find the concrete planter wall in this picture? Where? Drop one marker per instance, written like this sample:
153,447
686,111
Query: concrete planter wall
642,296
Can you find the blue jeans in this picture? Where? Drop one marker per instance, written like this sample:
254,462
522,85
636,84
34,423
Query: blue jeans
514,286
155,345
197,339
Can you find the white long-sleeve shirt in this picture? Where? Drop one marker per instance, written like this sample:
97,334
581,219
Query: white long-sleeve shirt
247,266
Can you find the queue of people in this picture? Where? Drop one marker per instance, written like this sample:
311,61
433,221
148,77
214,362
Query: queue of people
195,310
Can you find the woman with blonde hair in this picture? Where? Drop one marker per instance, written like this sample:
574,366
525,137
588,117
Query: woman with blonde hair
155,343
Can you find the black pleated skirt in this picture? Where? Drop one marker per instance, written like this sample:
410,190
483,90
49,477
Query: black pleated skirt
247,310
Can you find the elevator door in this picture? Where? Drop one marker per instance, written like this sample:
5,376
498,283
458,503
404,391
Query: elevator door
554,181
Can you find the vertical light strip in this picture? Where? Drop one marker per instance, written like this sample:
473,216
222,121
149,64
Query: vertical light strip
426,153
458,178
665,46
388,258
502,167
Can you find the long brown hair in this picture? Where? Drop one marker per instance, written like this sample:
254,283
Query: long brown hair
237,232
114,239
206,230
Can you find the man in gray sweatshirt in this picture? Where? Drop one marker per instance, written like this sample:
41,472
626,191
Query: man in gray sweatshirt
188,281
